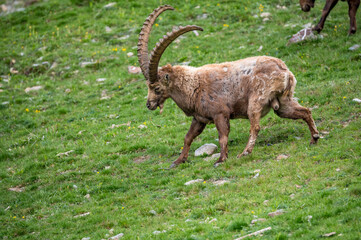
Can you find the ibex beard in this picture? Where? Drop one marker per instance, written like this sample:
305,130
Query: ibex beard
215,93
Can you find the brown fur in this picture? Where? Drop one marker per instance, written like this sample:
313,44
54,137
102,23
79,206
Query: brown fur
353,5
216,93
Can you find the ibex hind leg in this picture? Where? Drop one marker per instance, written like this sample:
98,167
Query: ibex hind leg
254,115
291,109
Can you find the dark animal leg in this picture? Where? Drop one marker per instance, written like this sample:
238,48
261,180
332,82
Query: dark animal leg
195,129
326,10
352,9
254,115
292,110
223,127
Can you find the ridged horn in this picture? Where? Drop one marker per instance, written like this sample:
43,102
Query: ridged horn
162,44
144,38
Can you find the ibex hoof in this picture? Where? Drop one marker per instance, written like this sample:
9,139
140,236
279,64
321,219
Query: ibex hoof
245,153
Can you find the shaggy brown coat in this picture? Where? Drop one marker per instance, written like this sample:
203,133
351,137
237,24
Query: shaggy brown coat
215,93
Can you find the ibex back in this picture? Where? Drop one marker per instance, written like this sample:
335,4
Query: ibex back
216,93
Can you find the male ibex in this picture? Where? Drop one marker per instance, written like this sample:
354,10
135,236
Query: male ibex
353,5
216,93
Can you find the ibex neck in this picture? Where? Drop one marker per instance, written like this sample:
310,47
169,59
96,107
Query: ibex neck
185,88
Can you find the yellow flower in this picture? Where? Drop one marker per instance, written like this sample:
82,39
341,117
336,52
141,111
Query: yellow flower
145,123
204,182
37,111
156,24
124,49
23,217
122,207
98,172
225,25
14,217
252,212
218,4
27,109
182,148
344,97
197,47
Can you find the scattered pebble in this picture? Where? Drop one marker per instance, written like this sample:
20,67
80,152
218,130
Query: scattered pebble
265,14
87,196
124,37
337,169
282,156
265,202
108,29
354,47
329,234
17,189
35,88
101,79
302,35
130,54
159,232
193,182
134,70
276,213
65,153
82,215
256,176
110,5
85,64
307,25
208,148
220,182
260,48
86,238
141,126
153,212
258,220
292,196
116,237
213,157
356,100
67,90
203,16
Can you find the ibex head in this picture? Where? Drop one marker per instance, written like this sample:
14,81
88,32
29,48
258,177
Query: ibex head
306,5
158,81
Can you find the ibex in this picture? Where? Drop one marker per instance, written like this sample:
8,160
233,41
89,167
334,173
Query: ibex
216,93
353,5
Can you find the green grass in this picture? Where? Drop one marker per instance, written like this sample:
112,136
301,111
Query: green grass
116,174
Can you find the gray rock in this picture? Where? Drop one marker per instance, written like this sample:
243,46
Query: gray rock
116,237
208,148
213,157
354,47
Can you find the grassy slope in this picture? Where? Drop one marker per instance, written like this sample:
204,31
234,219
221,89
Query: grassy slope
106,162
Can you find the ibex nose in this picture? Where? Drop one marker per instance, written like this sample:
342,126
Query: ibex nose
148,104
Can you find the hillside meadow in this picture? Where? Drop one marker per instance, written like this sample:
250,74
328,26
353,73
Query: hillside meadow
81,157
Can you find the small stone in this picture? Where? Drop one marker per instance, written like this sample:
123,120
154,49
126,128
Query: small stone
302,35
265,19
130,54
75,186
110,5
208,148
292,196
329,234
258,220
116,237
85,64
307,25
35,88
256,176
108,29
87,196
220,182
107,167
193,182
276,213
134,70
86,238
265,202
153,212
125,37
101,79
282,156
213,157
260,48
356,100
17,189
196,33
82,215
203,16
298,186
5,103
354,47
159,232
337,169
141,126
67,90
265,14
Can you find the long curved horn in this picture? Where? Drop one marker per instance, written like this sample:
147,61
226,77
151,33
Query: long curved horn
162,44
144,38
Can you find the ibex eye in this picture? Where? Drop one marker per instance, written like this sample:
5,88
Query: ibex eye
157,91
167,77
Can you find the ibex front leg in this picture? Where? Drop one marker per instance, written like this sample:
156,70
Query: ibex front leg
195,129
223,127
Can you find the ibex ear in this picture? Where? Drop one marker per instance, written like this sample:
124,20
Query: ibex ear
167,76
